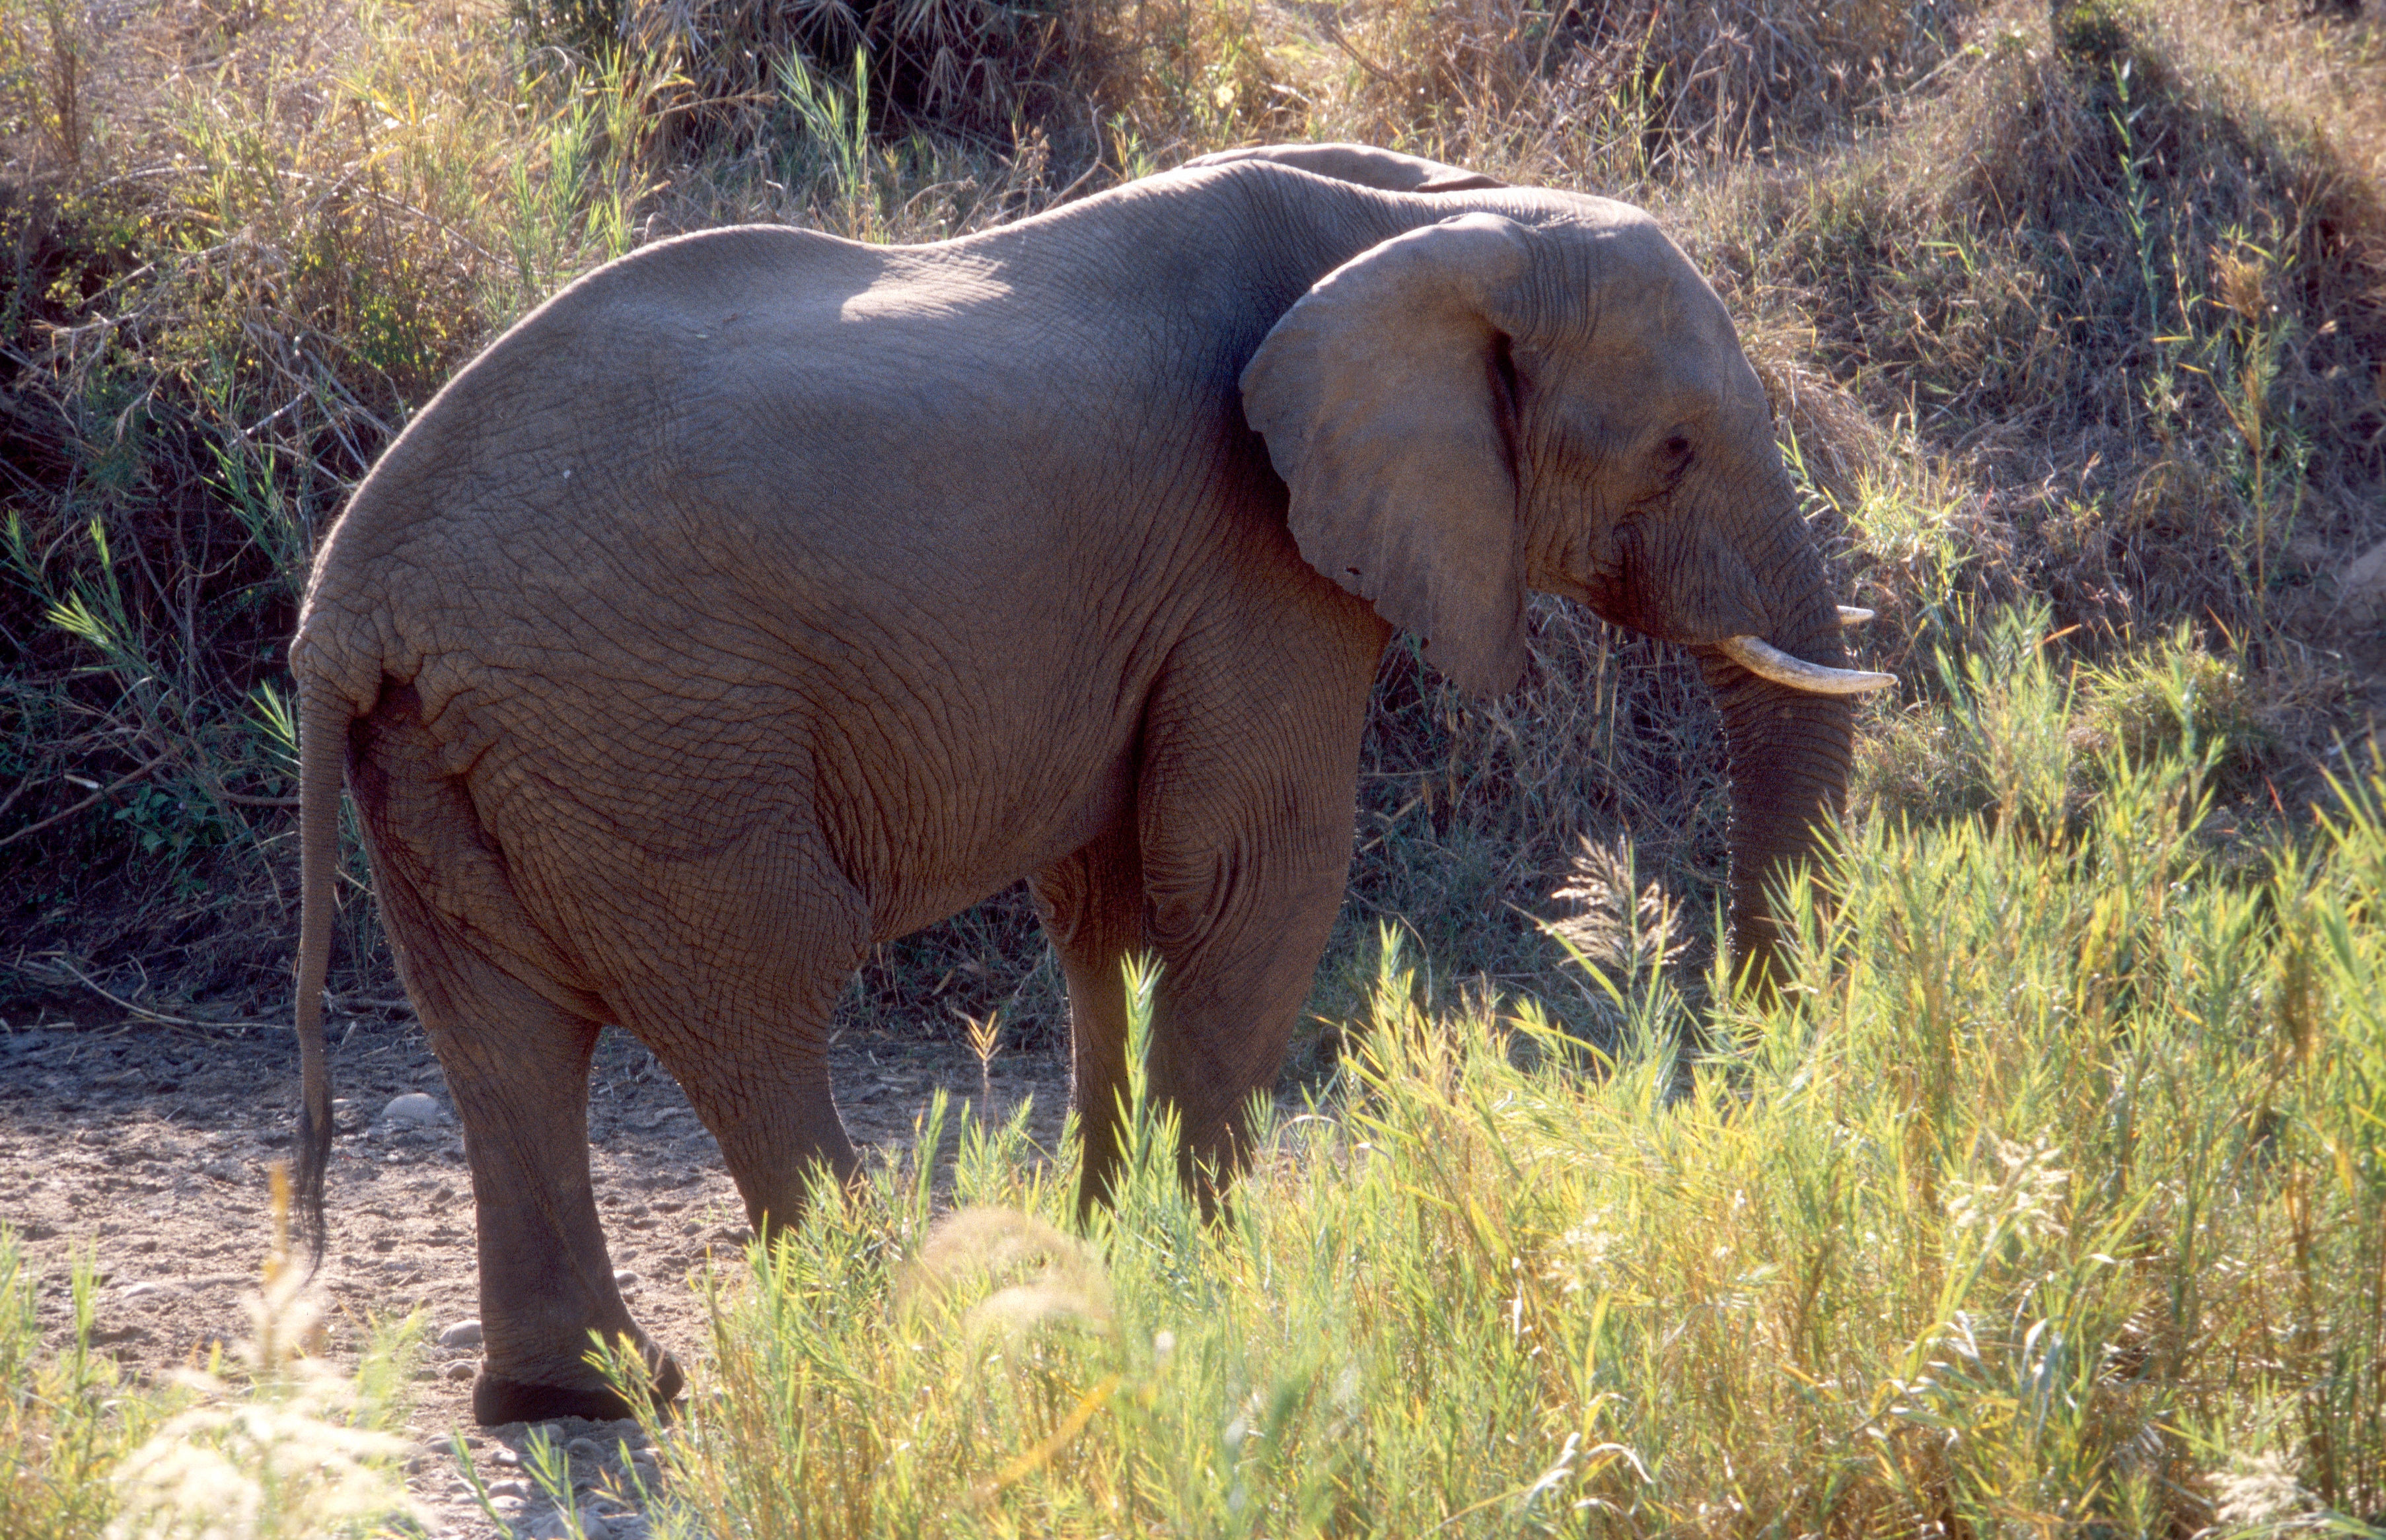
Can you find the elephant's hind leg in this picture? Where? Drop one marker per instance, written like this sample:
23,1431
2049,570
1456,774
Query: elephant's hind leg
514,1038
737,1006
547,1279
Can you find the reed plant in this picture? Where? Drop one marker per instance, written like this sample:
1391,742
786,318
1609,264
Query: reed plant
2050,1198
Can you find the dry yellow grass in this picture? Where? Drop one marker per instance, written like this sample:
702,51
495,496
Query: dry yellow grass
2091,315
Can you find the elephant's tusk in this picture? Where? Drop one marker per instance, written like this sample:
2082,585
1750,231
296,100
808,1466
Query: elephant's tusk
1850,615
1766,661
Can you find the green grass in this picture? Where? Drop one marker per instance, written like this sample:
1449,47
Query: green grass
2052,1196
65,1421
2053,1201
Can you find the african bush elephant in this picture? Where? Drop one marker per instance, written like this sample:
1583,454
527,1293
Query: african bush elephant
763,597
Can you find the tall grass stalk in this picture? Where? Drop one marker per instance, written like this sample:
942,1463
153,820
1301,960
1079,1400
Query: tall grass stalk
66,1416
2054,1196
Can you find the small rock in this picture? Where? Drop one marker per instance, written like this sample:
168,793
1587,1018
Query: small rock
462,1368
462,1334
140,1291
515,1487
2365,576
625,1280
418,1107
550,1525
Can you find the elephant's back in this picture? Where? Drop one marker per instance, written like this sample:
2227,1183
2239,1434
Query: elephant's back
610,355
543,454
753,444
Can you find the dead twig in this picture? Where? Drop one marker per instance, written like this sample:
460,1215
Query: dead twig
116,785
240,800
1332,27
160,1017
19,789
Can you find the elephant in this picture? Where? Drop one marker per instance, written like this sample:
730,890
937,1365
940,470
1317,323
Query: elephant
762,596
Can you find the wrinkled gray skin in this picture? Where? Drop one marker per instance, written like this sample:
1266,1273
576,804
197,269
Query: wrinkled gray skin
763,597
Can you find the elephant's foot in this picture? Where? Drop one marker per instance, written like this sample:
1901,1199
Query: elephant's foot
497,1399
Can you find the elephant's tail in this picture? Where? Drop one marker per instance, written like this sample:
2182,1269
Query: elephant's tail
323,717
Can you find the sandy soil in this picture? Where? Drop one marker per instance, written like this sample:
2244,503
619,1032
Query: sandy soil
147,1146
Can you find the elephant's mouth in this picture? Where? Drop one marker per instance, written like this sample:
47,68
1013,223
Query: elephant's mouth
1766,661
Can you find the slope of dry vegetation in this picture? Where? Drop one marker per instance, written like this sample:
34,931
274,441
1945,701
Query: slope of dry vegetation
2087,312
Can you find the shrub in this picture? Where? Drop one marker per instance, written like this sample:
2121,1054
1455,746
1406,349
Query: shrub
2050,1199
2085,313
65,1419
278,1446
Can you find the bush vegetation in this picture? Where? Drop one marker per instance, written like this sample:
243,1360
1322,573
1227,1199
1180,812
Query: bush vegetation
2054,1203
2045,1204
263,1444
2084,310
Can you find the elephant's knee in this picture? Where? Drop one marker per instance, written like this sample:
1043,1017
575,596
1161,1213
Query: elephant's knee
1187,901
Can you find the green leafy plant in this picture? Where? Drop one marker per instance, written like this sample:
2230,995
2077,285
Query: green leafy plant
2050,1195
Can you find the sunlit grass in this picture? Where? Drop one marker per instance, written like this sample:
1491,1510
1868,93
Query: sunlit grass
268,1442
66,1418
2054,1195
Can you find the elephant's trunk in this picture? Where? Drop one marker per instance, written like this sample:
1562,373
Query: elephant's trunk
1788,751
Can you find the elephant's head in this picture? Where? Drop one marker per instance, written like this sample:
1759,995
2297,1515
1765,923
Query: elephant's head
1484,406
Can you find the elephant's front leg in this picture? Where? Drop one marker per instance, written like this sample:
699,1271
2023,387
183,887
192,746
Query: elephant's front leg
1239,927
1246,799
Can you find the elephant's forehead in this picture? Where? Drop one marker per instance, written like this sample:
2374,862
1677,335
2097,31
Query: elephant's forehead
924,287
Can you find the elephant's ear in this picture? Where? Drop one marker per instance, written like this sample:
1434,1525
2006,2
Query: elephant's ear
1381,397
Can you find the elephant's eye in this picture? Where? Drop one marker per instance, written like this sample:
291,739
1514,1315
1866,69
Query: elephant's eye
1677,452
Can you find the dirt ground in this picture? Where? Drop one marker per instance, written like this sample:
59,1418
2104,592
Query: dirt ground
147,1145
